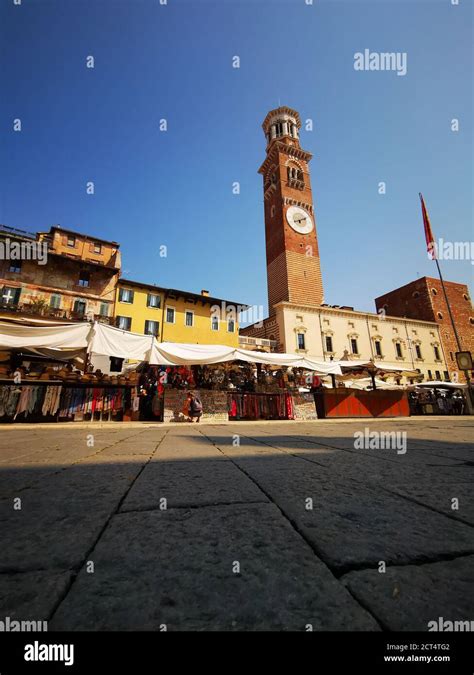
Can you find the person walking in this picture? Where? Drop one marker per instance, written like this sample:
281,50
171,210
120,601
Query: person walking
195,407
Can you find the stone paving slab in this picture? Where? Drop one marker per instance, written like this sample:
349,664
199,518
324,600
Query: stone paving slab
14,481
379,466
200,482
177,565
439,497
352,523
408,598
61,518
412,456
387,470
187,444
451,441
32,596
363,512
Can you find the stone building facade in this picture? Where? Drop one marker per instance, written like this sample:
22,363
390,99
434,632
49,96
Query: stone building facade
77,280
424,299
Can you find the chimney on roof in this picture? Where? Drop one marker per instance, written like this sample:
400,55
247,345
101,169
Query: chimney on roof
204,292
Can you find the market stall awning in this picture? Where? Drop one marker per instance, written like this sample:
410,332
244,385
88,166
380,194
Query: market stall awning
109,341
122,344
358,365
295,360
67,336
439,384
366,383
175,353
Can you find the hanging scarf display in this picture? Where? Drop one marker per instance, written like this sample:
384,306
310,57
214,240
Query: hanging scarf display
51,400
259,406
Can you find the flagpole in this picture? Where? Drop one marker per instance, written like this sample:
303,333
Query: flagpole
434,254
448,306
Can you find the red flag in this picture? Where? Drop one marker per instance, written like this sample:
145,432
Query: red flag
430,242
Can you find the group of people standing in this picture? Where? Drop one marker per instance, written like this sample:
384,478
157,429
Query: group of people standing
437,401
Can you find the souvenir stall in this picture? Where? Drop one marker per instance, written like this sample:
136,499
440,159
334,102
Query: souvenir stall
438,398
233,390
66,400
40,380
232,383
237,384
374,398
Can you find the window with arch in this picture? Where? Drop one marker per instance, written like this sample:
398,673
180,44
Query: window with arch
378,347
294,173
279,129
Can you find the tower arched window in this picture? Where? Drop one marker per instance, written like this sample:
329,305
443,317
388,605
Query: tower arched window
279,129
295,176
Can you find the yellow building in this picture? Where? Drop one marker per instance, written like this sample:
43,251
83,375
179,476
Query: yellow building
176,316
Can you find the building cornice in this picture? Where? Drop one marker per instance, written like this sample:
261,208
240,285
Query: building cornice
283,148
205,299
354,314
281,110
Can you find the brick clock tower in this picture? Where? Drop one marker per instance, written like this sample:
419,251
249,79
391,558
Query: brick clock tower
293,266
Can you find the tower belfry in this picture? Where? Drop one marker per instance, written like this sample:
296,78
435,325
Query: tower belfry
293,265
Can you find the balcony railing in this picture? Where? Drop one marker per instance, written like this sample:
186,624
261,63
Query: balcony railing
53,313
245,341
296,183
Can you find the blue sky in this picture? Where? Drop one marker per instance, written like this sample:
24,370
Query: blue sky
174,188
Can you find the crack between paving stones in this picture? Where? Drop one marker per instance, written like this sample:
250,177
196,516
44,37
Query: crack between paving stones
305,439
290,521
417,561
177,507
339,570
375,484
65,468
75,571
458,519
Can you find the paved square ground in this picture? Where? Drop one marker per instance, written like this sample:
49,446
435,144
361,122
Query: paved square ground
237,526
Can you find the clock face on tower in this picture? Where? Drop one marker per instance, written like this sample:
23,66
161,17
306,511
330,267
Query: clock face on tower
299,219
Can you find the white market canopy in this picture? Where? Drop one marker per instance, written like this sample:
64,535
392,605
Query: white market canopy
365,383
348,365
106,340
66,336
183,354
439,384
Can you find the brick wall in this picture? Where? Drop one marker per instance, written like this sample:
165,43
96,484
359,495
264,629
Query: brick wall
214,405
267,329
293,264
424,299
